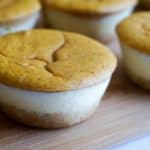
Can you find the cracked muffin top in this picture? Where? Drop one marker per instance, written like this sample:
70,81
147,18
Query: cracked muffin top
135,31
15,9
90,6
49,60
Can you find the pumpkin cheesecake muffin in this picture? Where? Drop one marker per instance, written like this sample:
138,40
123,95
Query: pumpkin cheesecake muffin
55,82
95,18
134,34
17,15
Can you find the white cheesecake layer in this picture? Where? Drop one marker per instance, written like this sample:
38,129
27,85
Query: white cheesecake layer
76,102
102,27
137,63
25,24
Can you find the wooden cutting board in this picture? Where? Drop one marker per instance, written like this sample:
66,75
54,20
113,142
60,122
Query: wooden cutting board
123,115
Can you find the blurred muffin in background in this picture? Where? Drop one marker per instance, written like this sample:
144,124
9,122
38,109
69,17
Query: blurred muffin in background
17,15
134,34
94,18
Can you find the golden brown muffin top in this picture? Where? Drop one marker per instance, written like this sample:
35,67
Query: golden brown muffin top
89,6
15,9
135,31
49,60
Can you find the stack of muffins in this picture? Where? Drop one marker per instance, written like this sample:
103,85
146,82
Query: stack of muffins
54,79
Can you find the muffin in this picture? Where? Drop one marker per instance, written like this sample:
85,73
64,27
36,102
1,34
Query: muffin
97,19
55,82
134,34
145,4
17,15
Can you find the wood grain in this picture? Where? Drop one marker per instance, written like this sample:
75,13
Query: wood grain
122,116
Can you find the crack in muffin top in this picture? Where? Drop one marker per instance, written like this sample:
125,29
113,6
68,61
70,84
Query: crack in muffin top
95,7
135,31
49,60
15,9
